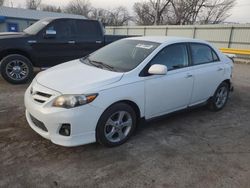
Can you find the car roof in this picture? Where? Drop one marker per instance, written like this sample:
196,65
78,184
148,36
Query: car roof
166,39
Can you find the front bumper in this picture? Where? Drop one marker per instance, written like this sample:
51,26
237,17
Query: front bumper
83,121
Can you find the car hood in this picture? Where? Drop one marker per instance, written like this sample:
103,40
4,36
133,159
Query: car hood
75,77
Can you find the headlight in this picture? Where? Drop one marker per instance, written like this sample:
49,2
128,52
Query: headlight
71,101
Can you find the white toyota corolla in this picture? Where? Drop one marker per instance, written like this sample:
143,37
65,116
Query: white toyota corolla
103,96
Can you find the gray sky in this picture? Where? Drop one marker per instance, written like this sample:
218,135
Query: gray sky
240,13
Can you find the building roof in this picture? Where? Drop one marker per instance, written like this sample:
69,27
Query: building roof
33,14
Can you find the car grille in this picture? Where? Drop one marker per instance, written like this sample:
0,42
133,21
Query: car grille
43,94
39,96
38,123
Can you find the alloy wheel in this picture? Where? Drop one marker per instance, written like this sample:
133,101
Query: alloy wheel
17,70
221,97
118,126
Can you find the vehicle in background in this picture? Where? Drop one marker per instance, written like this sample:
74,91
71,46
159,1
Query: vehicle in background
103,96
49,42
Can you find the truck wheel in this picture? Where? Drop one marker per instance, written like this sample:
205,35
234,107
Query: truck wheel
16,69
116,125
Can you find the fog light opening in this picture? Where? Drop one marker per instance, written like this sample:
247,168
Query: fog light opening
65,129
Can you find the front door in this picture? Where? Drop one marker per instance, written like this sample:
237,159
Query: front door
59,49
170,92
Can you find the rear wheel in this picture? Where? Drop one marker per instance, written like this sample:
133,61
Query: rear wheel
116,125
219,100
16,69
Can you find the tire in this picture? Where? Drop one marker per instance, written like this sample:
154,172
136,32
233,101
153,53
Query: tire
113,132
16,69
219,100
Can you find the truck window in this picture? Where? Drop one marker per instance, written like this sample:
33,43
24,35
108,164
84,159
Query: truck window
38,26
88,29
64,28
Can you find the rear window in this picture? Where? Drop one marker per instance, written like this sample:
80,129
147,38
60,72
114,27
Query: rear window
202,54
86,29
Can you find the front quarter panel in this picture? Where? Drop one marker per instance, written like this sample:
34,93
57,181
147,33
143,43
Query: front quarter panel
133,92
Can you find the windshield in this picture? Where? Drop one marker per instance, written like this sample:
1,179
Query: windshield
121,56
38,26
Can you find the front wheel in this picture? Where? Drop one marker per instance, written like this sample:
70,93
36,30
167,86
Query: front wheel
116,125
219,100
16,69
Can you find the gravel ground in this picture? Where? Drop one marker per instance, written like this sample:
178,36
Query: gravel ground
195,148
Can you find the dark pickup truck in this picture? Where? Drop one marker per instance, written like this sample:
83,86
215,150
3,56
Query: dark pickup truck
49,42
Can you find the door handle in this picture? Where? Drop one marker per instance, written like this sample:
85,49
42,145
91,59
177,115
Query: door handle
32,41
98,42
189,76
219,69
71,42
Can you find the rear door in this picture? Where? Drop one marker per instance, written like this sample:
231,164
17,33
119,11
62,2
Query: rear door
52,51
170,92
208,72
88,37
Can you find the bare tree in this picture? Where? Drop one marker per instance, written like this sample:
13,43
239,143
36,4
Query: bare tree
80,7
50,8
115,17
151,12
1,2
216,11
182,12
33,4
119,16
200,11
100,14
185,12
144,14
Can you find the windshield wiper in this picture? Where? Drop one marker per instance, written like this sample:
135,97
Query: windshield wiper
89,62
98,64
109,67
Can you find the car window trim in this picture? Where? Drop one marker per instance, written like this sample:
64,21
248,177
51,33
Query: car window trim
212,50
144,71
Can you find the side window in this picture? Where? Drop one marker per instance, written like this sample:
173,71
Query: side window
174,57
63,28
87,29
215,56
202,54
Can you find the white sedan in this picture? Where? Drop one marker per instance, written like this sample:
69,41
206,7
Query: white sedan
103,96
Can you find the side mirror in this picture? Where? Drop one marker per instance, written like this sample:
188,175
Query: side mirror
50,34
158,69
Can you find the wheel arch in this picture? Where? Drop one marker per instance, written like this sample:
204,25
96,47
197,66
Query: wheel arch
228,82
131,104
7,52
